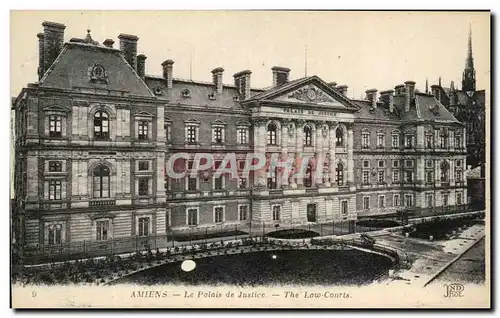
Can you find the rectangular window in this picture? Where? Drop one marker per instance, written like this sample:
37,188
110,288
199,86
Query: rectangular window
219,183
380,140
445,199
458,142
276,212
429,199
143,130
55,166
143,186
365,140
381,163
458,175
408,176
192,184
395,176
218,214
144,226
143,165
429,176
168,132
409,141
102,229
366,164
55,234
191,137
55,126
442,141
429,141
217,133
429,163
459,163
242,136
381,201
271,179
381,177
366,203
366,177
395,141
243,212
55,190
192,217
408,200
396,200
459,198
395,163
242,183
409,163
344,207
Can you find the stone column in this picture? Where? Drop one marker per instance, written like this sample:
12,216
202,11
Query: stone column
464,138
284,151
317,176
350,155
331,147
299,146
259,126
437,172
291,157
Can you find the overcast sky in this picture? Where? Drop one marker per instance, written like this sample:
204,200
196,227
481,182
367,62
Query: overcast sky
359,49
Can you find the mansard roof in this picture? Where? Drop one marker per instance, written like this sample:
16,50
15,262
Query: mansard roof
72,71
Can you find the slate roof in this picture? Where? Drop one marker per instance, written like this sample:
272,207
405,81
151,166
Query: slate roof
424,107
380,113
71,70
199,93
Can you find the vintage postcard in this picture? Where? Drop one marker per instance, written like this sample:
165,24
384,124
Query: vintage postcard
250,159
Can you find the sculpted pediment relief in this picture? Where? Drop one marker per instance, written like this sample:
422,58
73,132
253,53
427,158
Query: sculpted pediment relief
310,94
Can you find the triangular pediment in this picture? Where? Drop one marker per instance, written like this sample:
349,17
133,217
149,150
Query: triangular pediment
310,94
310,91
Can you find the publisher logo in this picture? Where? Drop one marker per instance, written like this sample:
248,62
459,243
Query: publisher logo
453,290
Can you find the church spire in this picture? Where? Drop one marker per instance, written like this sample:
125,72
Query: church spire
426,86
469,74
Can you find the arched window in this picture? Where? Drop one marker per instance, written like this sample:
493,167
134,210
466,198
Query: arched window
101,181
101,125
308,176
445,174
339,135
307,135
271,134
339,174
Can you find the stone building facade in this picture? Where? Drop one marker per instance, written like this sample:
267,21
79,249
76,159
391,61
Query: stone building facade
95,134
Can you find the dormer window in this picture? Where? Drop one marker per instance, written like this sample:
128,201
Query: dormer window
98,74
158,91
186,93
211,96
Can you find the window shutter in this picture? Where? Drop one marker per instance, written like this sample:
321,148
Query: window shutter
223,134
197,133
213,134
186,133
46,190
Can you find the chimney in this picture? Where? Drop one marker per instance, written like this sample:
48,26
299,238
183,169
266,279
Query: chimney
436,91
399,89
371,96
409,94
128,45
108,43
280,75
242,83
342,89
387,98
53,41
40,56
141,65
217,76
168,69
